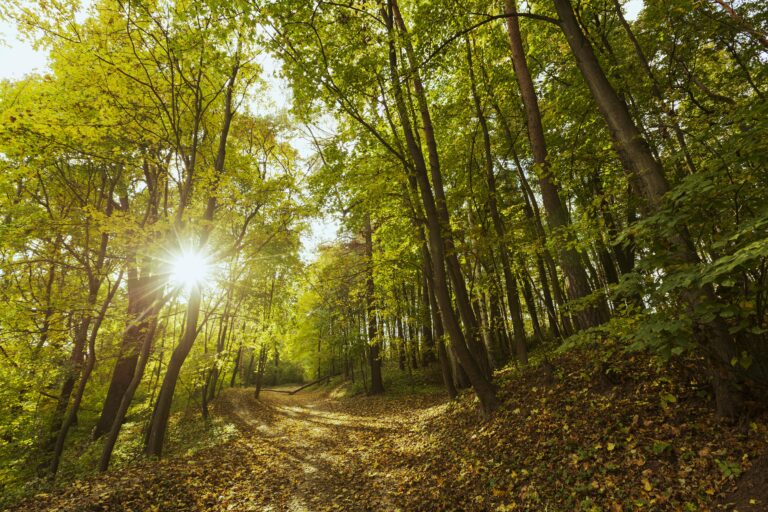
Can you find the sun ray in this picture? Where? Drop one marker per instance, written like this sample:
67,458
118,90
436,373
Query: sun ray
190,268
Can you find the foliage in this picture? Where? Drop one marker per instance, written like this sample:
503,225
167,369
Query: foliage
466,237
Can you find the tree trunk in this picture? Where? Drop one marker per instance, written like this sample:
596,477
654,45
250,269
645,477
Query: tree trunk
260,367
162,411
513,298
236,365
86,374
440,234
125,403
530,303
374,343
140,298
635,154
159,422
557,216
428,353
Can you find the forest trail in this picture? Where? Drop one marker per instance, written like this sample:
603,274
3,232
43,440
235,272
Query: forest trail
303,452
324,453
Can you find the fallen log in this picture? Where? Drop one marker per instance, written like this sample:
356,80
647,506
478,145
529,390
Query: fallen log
293,392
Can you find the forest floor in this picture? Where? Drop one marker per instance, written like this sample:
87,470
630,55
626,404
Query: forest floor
563,441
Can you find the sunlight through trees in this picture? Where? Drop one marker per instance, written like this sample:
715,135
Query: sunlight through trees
507,182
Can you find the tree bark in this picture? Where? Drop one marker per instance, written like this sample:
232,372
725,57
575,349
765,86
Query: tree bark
374,343
557,216
635,154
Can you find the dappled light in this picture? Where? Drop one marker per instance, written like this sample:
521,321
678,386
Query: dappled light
404,255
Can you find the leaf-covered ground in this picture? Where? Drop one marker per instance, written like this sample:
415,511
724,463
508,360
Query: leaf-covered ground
603,437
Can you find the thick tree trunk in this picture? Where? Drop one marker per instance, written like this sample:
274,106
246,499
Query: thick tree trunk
125,403
140,297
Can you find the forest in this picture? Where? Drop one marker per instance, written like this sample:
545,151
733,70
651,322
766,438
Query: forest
385,255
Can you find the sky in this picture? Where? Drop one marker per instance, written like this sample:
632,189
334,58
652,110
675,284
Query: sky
321,230
18,57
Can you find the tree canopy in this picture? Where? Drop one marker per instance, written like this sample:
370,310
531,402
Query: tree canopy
511,181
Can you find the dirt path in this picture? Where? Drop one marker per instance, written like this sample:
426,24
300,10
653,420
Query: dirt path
303,452
327,451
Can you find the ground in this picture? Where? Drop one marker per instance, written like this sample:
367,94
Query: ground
603,437
303,452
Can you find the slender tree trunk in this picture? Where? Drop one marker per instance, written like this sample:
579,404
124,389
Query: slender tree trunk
557,216
494,307
162,411
635,154
260,367
86,374
666,108
530,303
70,378
236,365
374,343
440,232
140,296
487,332
204,396
513,298
757,34
428,355
531,212
60,424
159,423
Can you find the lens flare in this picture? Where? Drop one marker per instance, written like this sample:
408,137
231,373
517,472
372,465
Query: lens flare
190,268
